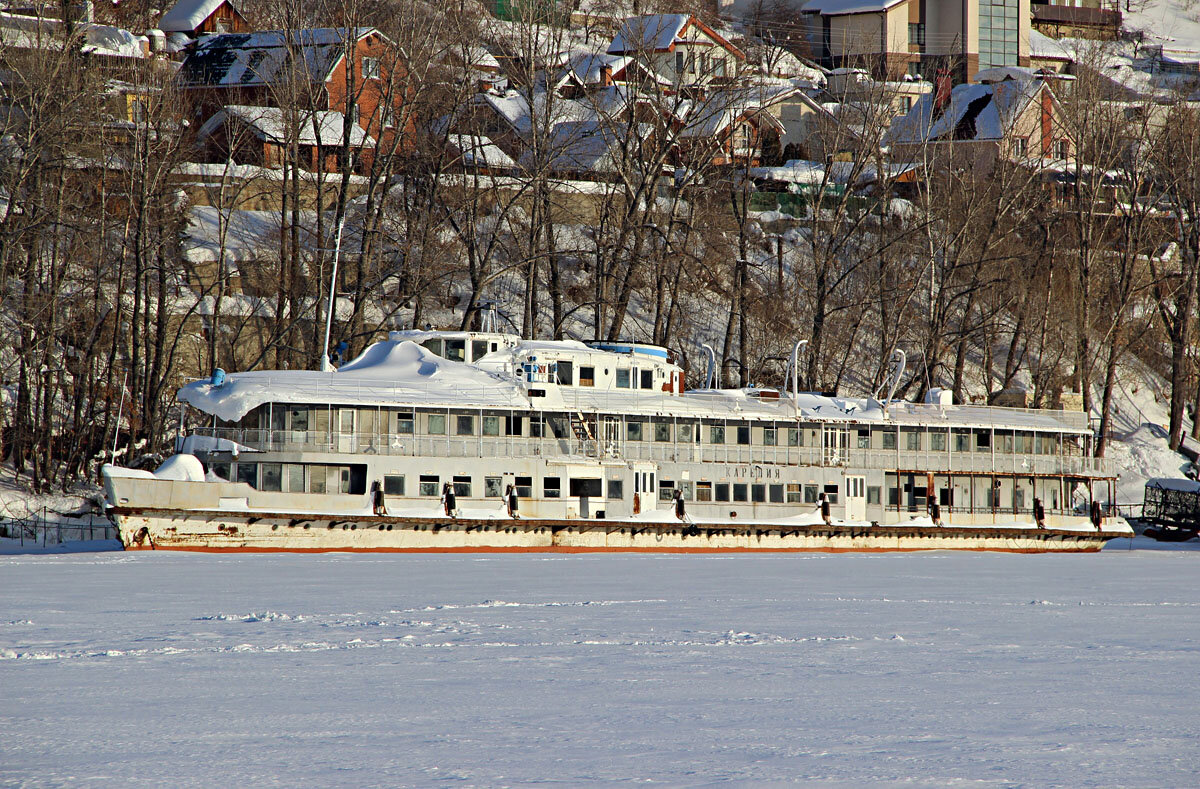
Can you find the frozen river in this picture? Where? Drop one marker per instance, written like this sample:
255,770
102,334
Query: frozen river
971,669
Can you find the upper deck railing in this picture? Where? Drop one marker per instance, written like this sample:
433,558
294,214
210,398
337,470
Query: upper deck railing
408,445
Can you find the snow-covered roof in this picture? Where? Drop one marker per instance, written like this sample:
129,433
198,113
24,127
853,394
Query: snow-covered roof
1043,47
18,31
586,66
401,373
845,7
1169,483
974,112
187,15
479,151
272,124
649,33
246,235
583,146
262,58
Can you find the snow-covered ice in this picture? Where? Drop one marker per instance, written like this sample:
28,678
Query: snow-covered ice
936,668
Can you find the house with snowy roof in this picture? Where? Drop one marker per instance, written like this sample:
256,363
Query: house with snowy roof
731,128
478,154
358,72
262,136
679,47
1008,114
196,17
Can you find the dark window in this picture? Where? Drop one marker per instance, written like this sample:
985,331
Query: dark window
272,477
221,470
810,494
740,491
565,373
462,487
524,487
552,487
465,425
758,493
587,376
478,347
491,425
647,379
616,489
512,426
634,431
622,378
662,431
393,484
429,485
872,494
722,491
831,493
590,488
743,434
776,492
716,434
248,473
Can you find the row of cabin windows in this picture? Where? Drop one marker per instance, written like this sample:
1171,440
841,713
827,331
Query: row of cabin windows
755,492
563,374
301,419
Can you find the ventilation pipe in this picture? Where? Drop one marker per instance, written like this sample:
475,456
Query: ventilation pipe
794,370
712,365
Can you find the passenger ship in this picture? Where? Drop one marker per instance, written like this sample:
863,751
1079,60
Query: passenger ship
596,440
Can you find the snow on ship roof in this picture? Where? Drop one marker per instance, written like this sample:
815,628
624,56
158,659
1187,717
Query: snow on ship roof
402,373
1172,483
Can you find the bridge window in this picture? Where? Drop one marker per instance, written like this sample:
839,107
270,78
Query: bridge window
647,379
565,373
864,438
478,349
587,376
983,440
889,438
456,350
404,422
491,425
622,378
962,440
937,441
912,440
795,437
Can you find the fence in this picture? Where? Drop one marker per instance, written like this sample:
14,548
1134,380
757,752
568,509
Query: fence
48,528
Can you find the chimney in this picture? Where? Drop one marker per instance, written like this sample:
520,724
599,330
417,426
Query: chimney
606,76
941,90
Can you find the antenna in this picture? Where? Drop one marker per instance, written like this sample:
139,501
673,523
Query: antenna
899,371
326,366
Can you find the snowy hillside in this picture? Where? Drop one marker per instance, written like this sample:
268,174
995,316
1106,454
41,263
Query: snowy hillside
1174,23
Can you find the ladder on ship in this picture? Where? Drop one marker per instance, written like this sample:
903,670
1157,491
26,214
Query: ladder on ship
583,433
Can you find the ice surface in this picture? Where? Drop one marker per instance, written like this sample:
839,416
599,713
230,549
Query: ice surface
920,669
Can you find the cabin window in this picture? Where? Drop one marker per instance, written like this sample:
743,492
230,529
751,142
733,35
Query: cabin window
298,419
622,378
937,441
983,440
795,437
558,426
647,379
464,425
666,490
512,425
872,494
703,491
535,427
758,493
662,431
793,493
295,478
317,477
221,470
456,350
429,485
743,434
248,473
962,440
493,487
889,438
344,479
404,422
1004,443
393,484
491,425
587,376
586,488
831,493
524,487
462,487
433,346
769,437
616,489
685,488
1025,443
716,434
272,477
740,491
810,494
721,491
565,373
864,438
478,349
912,440
437,424
552,487
776,494
633,431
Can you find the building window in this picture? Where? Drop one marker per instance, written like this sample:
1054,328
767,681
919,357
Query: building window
1020,145
1061,149
914,71
916,33
370,68
680,61
718,67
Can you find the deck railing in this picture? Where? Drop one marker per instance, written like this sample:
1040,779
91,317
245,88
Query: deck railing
409,445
